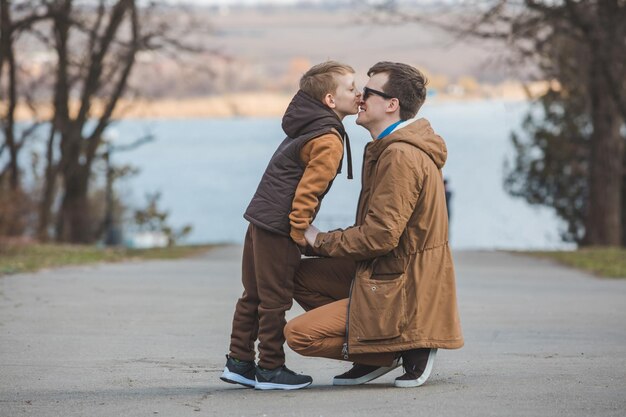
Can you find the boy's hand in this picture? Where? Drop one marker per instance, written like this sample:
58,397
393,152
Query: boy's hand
310,234
297,235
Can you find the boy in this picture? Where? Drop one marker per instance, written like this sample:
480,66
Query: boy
287,199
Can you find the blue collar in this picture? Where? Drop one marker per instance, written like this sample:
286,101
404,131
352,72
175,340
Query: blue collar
389,129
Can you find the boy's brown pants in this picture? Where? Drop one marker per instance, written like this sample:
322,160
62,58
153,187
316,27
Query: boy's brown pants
269,266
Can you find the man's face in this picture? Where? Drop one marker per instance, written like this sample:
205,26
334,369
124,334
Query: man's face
373,110
347,97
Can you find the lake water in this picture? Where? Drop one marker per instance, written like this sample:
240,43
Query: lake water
208,169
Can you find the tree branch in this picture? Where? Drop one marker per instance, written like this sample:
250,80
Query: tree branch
95,67
129,60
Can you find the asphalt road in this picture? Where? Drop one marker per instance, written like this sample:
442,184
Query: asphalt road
149,338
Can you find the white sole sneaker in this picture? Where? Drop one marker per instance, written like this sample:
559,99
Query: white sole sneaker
410,383
233,378
369,377
270,385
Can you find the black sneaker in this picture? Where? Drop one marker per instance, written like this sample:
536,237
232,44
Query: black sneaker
418,364
280,378
239,372
360,374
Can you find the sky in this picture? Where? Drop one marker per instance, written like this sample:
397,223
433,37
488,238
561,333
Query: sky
284,2
247,2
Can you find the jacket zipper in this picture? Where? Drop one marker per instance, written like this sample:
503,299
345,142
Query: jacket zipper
362,179
344,350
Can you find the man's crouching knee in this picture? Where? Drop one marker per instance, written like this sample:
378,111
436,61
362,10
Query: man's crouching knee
296,339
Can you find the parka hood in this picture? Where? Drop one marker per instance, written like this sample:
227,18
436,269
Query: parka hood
420,134
306,114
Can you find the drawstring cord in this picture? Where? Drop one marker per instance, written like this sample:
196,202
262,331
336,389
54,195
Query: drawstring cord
349,152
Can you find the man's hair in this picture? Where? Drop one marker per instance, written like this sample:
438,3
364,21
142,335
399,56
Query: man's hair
320,80
406,83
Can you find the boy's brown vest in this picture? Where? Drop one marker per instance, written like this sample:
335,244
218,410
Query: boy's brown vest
304,120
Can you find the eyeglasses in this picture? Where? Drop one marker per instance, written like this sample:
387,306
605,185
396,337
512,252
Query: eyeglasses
367,92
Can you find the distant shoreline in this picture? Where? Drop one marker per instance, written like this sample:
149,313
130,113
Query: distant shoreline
265,104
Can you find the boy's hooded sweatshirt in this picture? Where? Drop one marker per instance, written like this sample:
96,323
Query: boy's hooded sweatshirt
301,170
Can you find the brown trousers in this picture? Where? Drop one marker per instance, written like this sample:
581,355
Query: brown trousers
322,288
269,266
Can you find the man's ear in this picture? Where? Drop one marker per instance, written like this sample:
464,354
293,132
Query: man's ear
393,105
329,100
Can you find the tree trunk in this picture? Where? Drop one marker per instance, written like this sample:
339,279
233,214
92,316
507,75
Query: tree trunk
7,53
624,205
74,222
47,198
604,216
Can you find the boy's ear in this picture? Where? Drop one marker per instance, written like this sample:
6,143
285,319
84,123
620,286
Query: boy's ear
329,100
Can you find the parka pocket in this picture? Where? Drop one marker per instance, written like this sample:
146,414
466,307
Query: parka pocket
379,312
388,268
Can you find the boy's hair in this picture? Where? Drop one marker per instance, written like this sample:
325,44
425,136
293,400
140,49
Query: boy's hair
406,83
320,80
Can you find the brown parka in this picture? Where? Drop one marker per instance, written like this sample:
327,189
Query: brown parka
404,292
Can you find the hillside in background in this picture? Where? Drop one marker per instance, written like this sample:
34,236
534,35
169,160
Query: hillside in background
254,49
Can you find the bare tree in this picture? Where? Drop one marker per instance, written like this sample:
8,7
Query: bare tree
96,51
11,28
595,32
95,47
110,54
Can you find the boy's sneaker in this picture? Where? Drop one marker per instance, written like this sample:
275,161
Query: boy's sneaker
360,374
280,378
418,364
239,372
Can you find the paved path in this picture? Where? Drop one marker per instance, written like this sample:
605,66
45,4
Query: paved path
148,339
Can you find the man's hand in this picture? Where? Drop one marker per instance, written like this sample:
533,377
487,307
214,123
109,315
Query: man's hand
310,234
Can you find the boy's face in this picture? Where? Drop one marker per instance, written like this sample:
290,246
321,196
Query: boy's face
346,99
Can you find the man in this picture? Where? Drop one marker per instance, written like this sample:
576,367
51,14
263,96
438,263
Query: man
390,293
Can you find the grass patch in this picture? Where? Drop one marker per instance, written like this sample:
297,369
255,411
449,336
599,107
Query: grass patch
602,261
33,257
